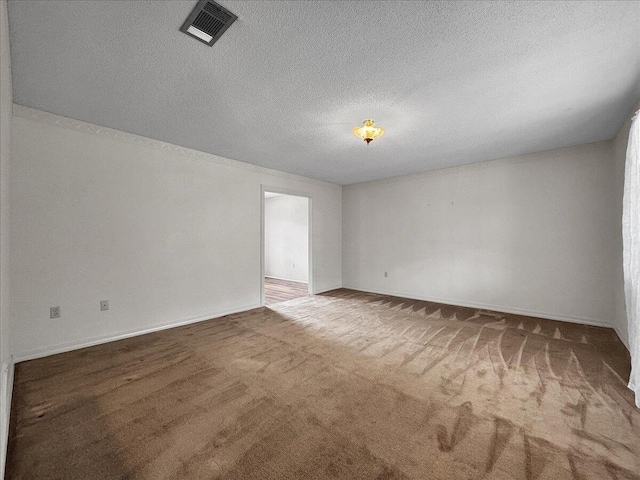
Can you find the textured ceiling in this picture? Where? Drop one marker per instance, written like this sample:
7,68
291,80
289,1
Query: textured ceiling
451,82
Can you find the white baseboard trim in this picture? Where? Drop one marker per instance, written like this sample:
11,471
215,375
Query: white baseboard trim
67,347
621,337
7,391
327,289
497,308
286,279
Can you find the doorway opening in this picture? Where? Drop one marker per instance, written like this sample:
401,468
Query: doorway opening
286,246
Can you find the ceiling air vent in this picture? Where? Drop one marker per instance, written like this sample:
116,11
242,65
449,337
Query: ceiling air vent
208,22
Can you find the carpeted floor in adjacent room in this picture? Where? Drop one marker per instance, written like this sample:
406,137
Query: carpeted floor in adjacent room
344,385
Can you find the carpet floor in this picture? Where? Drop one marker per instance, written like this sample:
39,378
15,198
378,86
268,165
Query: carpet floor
344,385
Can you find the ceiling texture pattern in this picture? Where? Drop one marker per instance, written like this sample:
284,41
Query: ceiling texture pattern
452,83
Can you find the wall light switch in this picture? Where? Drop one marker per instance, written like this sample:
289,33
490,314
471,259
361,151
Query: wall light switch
104,305
54,312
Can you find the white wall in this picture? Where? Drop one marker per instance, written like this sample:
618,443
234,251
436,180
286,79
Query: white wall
286,237
619,159
6,103
166,234
532,234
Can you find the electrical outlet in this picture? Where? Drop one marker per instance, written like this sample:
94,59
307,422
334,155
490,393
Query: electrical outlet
54,312
386,274
104,305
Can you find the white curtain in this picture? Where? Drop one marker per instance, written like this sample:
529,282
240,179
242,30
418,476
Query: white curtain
631,249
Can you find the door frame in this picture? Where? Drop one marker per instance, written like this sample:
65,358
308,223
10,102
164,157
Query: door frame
285,191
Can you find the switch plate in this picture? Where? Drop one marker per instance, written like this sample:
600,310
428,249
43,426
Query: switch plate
54,312
104,305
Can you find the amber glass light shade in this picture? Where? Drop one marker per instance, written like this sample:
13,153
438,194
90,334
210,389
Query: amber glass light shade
368,131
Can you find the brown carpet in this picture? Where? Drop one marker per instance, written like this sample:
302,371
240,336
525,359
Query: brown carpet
345,385
276,290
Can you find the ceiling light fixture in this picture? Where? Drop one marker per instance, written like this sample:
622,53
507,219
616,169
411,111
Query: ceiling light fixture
368,131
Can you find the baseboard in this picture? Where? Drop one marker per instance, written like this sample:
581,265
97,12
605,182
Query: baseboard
7,393
285,279
327,289
621,337
496,308
67,347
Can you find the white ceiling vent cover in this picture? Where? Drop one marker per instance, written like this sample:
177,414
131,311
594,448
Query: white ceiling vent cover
208,21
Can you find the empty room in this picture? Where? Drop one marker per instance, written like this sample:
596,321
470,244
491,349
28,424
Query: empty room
286,247
352,240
